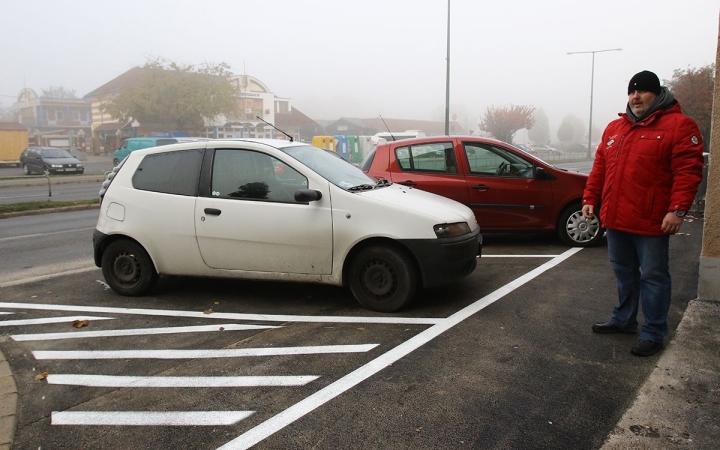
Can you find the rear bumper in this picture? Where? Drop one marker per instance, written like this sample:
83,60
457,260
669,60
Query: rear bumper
444,261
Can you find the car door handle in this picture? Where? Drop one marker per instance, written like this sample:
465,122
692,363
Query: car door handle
481,187
212,211
408,183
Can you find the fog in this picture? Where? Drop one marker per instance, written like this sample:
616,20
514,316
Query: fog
352,58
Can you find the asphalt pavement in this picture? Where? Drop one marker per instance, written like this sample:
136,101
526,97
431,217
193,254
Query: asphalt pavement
678,407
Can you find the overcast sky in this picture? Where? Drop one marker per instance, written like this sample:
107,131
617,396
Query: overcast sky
350,58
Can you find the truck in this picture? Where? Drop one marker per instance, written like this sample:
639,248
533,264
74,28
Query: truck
13,140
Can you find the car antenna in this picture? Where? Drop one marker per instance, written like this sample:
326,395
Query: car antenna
388,128
291,138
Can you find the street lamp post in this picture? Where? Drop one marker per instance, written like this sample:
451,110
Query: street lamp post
447,77
592,82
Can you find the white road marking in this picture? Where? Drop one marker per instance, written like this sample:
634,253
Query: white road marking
224,316
7,313
138,332
175,382
48,277
198,354
148,418
44,234
520,256
12,323
310,403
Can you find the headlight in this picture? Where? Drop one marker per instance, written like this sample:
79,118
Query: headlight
55,165
80,165
448,230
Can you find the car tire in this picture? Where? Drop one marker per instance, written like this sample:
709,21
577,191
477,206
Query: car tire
577,231
26,169
128,269
382,278
46,170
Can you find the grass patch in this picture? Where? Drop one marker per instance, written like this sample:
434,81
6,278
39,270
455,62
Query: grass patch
45,204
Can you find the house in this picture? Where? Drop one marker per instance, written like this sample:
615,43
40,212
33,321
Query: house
55,122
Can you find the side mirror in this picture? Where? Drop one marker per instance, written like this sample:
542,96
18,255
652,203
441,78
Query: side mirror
307,195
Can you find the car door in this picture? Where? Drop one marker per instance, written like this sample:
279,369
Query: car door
503,190
251,221
34,160
430,166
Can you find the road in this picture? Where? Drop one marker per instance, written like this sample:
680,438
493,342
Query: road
503,359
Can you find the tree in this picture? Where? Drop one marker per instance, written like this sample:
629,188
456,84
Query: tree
58,93
504,122
571,130
182,94
540,132
693,88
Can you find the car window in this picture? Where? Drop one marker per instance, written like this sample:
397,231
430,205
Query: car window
170,173
432,157
55,153
488,159
124,145
334,169
250,175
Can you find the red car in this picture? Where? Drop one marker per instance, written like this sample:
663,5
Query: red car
508,189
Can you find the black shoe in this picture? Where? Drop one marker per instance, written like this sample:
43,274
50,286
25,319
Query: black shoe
646,348
610,328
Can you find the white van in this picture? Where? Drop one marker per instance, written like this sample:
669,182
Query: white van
276,210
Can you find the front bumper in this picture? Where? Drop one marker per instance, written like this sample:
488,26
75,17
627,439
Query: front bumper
444,261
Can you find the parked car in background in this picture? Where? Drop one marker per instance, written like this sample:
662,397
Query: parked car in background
222,208
543,150
525,148
132,144
507,189
49,160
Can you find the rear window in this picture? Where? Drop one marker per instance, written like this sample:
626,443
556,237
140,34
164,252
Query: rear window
169,173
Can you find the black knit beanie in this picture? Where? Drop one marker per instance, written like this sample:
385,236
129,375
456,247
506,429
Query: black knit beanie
645,81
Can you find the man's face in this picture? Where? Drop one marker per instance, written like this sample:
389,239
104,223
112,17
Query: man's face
640,101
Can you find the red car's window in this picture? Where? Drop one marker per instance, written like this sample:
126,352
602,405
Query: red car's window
431,157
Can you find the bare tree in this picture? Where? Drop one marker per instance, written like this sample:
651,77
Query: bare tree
503,122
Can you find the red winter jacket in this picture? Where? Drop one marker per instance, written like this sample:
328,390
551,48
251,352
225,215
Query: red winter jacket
644,170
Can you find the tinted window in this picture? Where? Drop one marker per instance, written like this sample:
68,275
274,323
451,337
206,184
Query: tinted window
434,157
253,175
171,172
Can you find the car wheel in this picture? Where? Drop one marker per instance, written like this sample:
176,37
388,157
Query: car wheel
382,278
576,230
116,162
128,269
26,170
46,170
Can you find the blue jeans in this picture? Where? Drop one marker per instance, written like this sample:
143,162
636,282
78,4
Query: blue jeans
641,265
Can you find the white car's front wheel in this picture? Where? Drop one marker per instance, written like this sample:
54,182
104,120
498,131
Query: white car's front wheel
382,278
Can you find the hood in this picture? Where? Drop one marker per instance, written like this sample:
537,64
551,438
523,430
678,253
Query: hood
443,209
62,161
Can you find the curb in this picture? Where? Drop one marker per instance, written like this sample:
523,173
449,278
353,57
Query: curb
37,212
8,405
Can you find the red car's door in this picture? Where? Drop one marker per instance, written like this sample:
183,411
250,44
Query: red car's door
502,188
431,167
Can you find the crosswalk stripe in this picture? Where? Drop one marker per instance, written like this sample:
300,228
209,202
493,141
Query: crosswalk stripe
148,418
137,332
45,320
196,354
190,382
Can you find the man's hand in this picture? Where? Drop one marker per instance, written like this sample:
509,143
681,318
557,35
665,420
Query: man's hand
588,211
671,223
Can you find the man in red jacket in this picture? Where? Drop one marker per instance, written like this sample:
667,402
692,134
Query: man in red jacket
644,179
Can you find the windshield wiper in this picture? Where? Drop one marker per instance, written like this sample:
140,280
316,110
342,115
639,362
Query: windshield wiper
362,187
382,182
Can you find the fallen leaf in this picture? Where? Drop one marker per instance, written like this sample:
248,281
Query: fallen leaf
41,376
81,323
419,429
222,328
360,328
208,311
217,303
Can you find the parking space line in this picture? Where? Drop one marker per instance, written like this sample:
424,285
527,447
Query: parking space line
148,418
174,382
225,316
520,256
199,354
139,332
313,401
44,320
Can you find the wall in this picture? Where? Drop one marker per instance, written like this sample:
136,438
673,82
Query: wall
709,281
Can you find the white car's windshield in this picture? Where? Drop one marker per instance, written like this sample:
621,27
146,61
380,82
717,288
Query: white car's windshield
336,170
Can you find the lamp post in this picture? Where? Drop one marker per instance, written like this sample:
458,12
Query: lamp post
592,81
447,78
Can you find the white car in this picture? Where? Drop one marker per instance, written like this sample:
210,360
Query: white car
276,210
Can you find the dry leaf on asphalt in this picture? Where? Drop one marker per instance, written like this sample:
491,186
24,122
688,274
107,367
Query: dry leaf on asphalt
208,311
81,323
41,376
